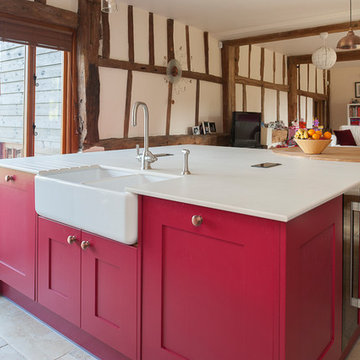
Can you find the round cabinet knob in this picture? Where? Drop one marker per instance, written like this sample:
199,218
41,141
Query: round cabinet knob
197,220
84,245
9,178
71,239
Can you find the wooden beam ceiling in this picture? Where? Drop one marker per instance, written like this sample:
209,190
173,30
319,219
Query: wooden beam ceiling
39,13
293,34
341,56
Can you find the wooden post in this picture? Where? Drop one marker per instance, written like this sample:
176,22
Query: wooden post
292,95
88,72
228,70
151,40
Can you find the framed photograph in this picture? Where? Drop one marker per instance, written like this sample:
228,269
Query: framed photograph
357,89
212,128
206,129
196,130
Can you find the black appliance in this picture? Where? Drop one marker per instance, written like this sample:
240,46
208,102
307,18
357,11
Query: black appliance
245,131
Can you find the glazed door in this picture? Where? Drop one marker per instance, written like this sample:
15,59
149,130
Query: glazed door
17,231
109,292
209,291
59,269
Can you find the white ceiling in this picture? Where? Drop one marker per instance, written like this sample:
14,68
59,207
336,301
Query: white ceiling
229,19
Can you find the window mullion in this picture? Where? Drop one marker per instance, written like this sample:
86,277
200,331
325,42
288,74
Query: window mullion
30,103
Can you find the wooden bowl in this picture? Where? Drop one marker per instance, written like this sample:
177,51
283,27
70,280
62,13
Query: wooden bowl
313,147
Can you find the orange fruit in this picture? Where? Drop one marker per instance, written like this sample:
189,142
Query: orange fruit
311,132
318,132
327,135
316,136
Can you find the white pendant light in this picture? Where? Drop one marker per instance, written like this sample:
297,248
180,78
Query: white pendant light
108,6
325,57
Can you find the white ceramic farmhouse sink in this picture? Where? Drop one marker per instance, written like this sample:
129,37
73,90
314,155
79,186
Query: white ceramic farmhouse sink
92,198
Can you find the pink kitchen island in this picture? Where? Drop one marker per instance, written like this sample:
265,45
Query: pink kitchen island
231,262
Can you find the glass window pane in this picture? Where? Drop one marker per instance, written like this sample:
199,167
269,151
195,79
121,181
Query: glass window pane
48,101
12,99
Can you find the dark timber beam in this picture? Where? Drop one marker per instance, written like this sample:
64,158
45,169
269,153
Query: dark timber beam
39,13
293,34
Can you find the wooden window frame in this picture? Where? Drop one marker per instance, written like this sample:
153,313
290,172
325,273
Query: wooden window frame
69,133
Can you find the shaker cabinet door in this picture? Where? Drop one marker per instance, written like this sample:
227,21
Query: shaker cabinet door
17,231
209,291
109,292
59,269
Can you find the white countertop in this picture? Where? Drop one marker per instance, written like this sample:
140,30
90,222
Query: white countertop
222,178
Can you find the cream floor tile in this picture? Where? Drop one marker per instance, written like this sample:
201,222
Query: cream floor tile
31,338
7,352
77,354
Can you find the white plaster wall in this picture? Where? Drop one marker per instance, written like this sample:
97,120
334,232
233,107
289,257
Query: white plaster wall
160,40
112,99
268,65
270,105
244,61
183,109
214,57
118,23
278,68
312,72
71,5
153,90
310,117
211,104
255,60
284,107
342,90
180,44
197,50
320,81
303,77
253,98
303,107
141,35
238,97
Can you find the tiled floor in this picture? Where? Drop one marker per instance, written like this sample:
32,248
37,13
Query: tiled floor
22,337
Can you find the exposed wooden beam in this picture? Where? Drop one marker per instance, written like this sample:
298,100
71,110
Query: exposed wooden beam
126,65
262,64
274,67
128,103
197,103
341,56
284,70
170,40
228,71
188,54
237,58
41,1
39,13
168,111
105,35
244,99
249,61
131,33
312,95
88,73
206,48
266,84
151,40
293,34
292,94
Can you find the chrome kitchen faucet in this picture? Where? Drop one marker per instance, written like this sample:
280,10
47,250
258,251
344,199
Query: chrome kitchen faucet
147,157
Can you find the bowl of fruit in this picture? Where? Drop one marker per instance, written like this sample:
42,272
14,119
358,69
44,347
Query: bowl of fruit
312,141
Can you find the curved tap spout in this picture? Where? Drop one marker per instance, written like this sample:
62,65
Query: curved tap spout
147,157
